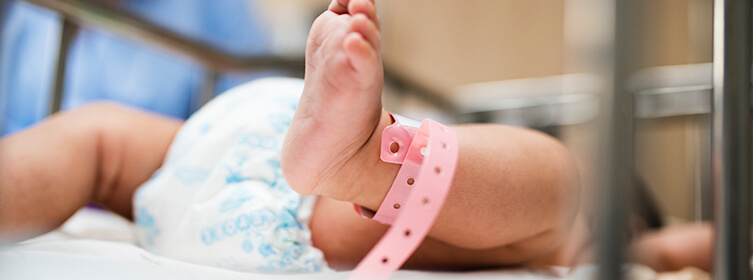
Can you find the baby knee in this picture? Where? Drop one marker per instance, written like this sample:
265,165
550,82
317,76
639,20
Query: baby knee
98,110
97,117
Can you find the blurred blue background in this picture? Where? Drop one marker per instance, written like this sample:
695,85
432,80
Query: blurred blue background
103,66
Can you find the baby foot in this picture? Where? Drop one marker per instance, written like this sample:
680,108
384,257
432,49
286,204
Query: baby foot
341,103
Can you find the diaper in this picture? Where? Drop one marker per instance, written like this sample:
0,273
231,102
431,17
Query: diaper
220,198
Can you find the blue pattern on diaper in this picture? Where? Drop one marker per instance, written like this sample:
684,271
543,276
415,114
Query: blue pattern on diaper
255,140
146,221
241,223
190,176
288,220
274,163
266,250
312,266
240,196
234,177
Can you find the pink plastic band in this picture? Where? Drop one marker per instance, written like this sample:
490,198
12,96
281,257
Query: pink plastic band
430,161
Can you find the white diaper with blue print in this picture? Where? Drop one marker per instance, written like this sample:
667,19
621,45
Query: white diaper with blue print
220,198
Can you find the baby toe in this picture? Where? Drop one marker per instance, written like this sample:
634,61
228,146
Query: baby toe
339,6
365,7
361,54
368,29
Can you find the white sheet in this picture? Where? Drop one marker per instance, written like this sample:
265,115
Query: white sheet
95,244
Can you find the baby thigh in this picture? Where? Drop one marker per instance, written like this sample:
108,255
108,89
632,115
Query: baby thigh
345,238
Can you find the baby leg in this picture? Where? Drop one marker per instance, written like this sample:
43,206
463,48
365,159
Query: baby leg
345,238
676,247
99,153
514,188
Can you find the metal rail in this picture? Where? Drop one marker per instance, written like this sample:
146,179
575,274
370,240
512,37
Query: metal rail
616,133
75,13
67,33
731,138
96,15
3,10
100,16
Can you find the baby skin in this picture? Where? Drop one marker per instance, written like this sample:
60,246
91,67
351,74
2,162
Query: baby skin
514,199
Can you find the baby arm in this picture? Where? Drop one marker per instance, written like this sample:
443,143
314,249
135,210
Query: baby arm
99,153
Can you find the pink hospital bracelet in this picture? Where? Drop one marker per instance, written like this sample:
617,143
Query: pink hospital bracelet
396,139
416,196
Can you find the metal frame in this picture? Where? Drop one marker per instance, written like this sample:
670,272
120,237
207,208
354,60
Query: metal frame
667,91
67,33
616,133
731,138
538,103
3,10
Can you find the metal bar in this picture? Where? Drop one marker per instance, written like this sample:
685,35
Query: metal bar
731,142
95,15
210,84
67,32
407,85
616,140
704,181
3,95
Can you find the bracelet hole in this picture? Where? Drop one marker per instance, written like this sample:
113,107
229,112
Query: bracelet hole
411,181
394,147
425,201
407,232
384,260
396,205
422,151
444,145
438,170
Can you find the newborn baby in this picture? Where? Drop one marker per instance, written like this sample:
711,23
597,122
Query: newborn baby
264,177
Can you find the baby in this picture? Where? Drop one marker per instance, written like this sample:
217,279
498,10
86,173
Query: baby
223,179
